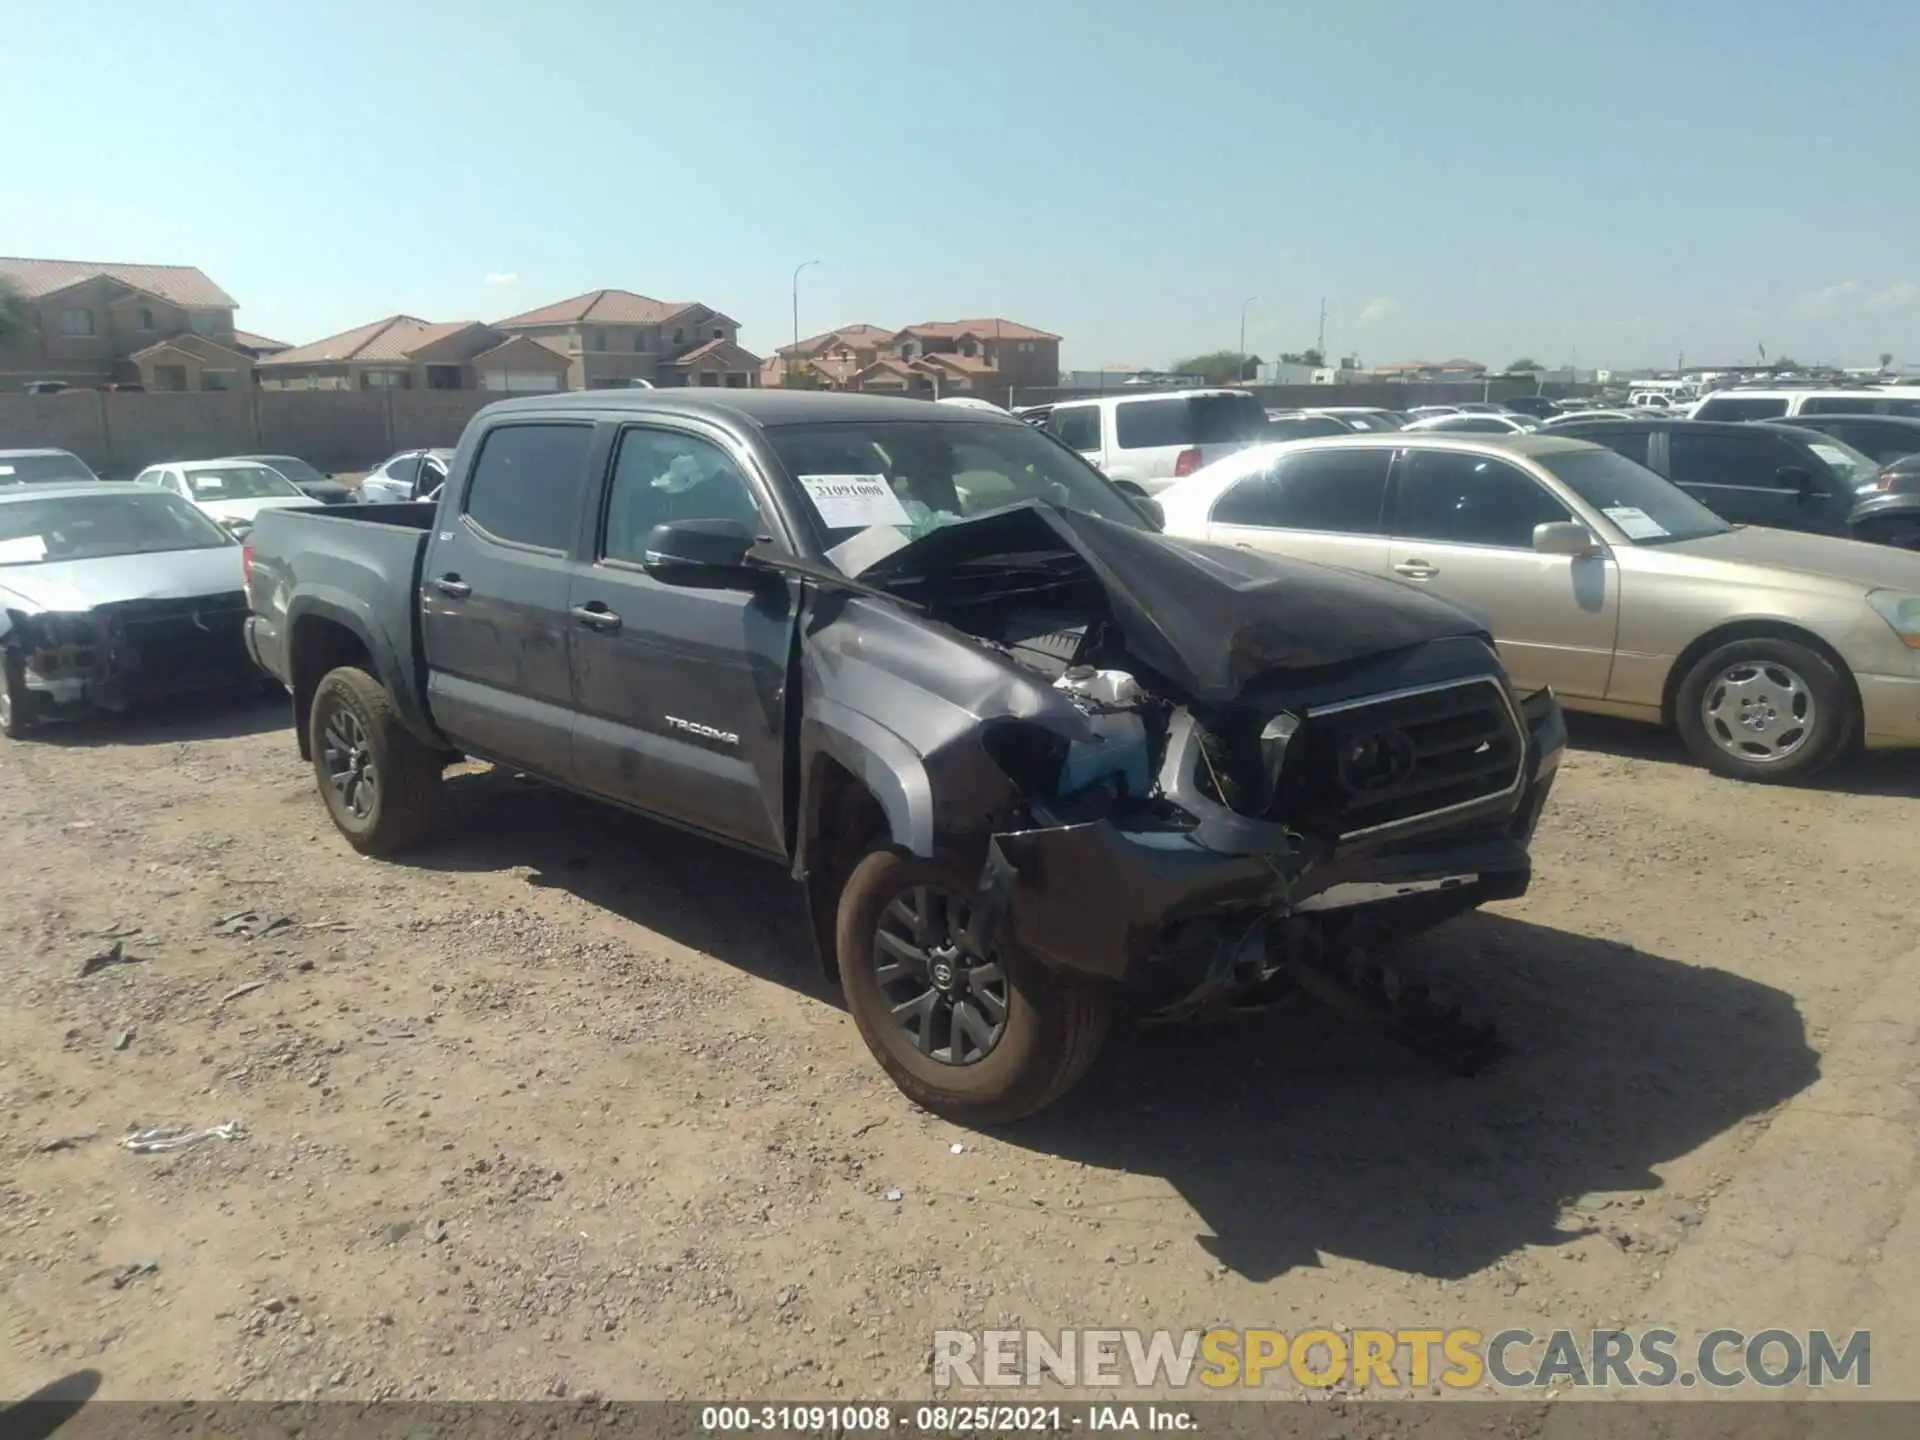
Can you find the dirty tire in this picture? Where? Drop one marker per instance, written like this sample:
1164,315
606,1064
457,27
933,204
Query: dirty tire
407,773
1054,1027
18,705
1836,716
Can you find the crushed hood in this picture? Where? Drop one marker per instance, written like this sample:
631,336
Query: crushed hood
1209,619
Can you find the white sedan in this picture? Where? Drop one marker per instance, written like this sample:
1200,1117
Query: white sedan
228,492
410,475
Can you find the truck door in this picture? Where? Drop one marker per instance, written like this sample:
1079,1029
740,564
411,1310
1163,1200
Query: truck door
680,691
493,597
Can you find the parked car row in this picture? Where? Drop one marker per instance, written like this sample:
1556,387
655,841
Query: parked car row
1770,652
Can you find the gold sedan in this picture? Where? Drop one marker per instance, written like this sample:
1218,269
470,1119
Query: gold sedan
1768,650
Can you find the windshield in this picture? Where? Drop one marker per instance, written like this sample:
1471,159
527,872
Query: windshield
298,471
1648,509
916,476
1853,467
238,482
90,527
37,469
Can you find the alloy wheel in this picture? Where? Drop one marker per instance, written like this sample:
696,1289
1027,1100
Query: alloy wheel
1759,711
953,1005
349,762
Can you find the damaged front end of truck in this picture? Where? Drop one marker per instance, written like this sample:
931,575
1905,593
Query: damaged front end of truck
1209,777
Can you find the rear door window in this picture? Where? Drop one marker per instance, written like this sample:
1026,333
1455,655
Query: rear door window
1227,419
1332,491
1077,426
1738,461
527,484
1741,407
1153,424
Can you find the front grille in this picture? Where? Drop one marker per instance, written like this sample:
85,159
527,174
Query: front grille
1382,762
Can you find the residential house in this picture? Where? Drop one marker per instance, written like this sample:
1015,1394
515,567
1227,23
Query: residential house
403,352
612,338
88,320
937,357
257,346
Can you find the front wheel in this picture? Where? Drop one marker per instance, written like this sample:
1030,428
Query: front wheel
1765,710
18,705
381,785
981,1042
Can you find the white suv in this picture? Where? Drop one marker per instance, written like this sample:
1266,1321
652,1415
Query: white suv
1782,404
1152,440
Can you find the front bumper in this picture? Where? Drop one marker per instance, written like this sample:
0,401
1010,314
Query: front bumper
1098,898
121,655
1889,710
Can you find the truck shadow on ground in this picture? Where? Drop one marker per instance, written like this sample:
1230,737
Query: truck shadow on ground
198,717
1291,1134
1893,773
46,1410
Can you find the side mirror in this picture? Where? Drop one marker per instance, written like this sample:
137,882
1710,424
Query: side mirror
1565,537
705,554
1793,477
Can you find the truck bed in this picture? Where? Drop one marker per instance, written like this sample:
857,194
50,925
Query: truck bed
358,565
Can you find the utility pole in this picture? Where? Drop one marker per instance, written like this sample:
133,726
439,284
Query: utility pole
1320,345
793,357
1241,354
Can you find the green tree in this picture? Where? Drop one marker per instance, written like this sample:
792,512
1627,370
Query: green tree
15,314
1525,365
1886,359
1309,357
1786,362
1220,367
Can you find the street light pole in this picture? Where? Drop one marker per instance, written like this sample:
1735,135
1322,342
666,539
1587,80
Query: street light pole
1240,357
793,356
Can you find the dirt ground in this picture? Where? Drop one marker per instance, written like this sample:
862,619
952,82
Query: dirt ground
562,1106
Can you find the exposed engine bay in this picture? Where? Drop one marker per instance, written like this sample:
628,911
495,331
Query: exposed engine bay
1245,774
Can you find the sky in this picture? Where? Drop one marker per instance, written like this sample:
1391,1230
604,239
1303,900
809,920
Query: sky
1598,182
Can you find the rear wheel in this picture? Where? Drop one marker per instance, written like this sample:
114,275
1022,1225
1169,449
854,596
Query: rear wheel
983,1042
380,784
1766,710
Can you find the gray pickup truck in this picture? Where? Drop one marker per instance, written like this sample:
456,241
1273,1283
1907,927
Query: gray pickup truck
1031,759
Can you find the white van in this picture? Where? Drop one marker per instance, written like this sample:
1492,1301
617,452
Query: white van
1759,404
1153,440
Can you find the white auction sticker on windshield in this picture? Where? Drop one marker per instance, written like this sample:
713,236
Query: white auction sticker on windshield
1838,459
23,550
853,502
1634,522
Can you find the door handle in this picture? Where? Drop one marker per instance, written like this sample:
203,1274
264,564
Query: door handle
453,585
595,616
1416,569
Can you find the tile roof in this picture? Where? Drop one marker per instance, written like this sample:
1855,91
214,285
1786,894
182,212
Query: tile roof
724,348
395,338
190,344
991,328
609,307
971,364
858,337
522,342
184,285
259,342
